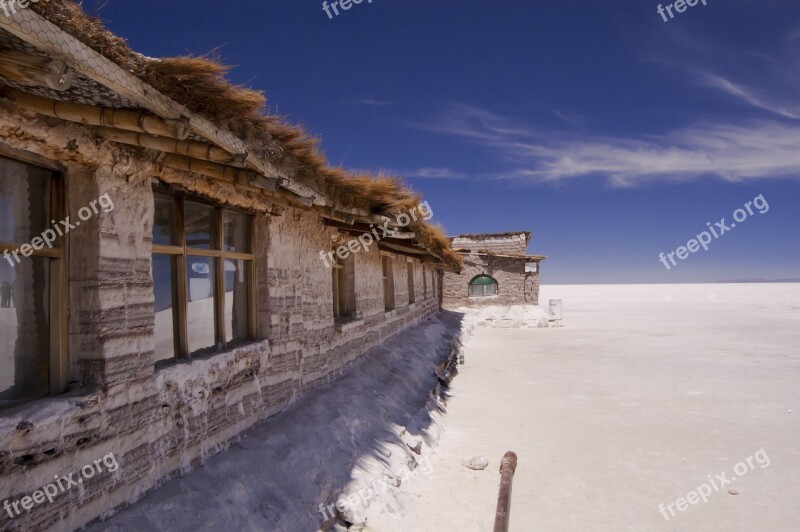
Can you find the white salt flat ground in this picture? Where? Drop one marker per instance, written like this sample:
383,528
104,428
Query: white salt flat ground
645,392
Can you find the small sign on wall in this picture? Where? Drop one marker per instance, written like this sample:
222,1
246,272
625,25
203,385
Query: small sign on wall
531,267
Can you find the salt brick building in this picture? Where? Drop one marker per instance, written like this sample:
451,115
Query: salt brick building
497,271
208,284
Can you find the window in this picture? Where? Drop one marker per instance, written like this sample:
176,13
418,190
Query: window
412,296
202,277
483,286
343,287
388,283
32,283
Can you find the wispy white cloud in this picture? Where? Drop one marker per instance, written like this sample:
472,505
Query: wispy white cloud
433,173
472,122
571,119
749,96
734,152
369,102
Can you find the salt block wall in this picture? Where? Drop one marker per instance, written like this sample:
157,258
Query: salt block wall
161,422
514,285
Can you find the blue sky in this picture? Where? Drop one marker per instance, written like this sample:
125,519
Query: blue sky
610,134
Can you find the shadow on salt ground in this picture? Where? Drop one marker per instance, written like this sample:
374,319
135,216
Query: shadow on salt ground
276,476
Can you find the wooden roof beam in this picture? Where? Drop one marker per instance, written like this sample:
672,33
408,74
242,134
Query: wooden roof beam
187,148
32,69
121,119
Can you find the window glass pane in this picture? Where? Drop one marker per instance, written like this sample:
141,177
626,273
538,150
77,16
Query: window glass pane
164,288
24,201
164,221
490,290
237,232
236,301
200,313
200,225
24,330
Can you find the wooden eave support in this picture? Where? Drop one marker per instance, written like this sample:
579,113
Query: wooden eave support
188,148
397,250
32,69
122,119
333,214
412,248
534,258
303,194
244,178
362,227
389,243
404,235
405,250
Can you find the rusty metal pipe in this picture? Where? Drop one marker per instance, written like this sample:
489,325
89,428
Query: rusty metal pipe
503,515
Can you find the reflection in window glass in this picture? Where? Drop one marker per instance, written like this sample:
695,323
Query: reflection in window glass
200,312
24,201
237,232
200,225
164,282
205,296
24,330
236,303
164,221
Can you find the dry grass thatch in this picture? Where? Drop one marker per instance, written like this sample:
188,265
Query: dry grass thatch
199,83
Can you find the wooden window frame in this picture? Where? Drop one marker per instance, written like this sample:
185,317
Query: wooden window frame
412,283
58,362
387,272
181,251
340,299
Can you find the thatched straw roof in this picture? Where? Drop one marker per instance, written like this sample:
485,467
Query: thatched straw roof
200,84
